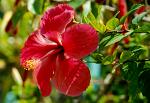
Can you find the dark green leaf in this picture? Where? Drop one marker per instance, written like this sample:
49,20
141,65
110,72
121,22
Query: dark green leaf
18,15
118,37
144,84
137,50
130,72
125,55
98,57
104,41
109,59
133,9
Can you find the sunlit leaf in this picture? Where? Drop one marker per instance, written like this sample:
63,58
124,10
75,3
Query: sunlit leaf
97,25
112,23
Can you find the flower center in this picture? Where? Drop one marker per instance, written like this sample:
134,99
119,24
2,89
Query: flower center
31,64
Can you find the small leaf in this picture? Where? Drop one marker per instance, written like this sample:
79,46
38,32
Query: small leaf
133,9
118,37
99,27
112,23
116,14
138,18
104,41
18,15
98,57
91,16
109,59
125,55
92,20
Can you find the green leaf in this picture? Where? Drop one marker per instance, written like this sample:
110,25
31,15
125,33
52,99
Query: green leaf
35,6
125,55
18,15
99,27
144,84
109,59
129,70
85,20
118,37
112,23
104,41
145,28
138,18
91,16
25,25
92,20
98,57
137,50
116,14
76,3
133,9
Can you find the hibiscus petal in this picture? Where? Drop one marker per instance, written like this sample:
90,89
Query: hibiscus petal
36,47
57,18
72,77
79,40
43,74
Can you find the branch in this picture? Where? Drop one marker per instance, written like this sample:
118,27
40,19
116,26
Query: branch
138,60
124,31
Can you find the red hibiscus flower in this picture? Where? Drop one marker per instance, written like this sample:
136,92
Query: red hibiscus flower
54,52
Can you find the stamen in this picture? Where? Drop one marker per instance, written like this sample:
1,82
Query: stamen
30,64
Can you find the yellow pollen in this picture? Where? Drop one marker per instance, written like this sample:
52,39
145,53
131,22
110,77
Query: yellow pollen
30,64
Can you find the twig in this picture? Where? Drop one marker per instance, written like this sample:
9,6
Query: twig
139,60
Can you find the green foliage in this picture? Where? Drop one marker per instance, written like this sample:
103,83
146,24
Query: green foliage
125,55
35,6
18,15
144,28
132,10
76,3
112,23
125,67
143,82
117,37
96,24
138,18
109,59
